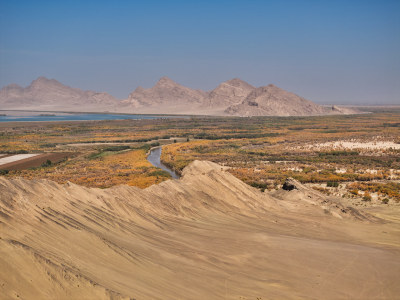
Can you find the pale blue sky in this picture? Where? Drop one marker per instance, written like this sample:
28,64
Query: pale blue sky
327,51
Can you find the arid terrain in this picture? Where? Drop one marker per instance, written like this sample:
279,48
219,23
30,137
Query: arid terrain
266,207
199,150
205,236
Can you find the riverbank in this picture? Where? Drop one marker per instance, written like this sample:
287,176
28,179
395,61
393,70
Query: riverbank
154,157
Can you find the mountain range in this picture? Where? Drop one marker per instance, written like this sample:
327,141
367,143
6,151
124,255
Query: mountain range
51,95
234,97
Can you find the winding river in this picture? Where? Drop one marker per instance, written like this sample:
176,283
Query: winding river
154,159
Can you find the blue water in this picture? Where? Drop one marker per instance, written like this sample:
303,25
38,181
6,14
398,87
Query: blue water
155,159
81,117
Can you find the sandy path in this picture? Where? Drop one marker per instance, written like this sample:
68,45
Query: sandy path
14,158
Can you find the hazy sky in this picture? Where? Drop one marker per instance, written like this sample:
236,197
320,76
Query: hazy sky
327,51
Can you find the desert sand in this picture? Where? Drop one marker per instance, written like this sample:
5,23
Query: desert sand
374,145
207,235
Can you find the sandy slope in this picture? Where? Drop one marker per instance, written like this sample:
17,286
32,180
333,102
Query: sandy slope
205,236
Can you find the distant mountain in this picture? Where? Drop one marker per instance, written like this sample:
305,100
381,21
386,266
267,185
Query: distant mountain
233,97
165,94
49,94
228,93
273,101
168,96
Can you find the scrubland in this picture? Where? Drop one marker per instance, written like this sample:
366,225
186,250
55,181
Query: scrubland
342,155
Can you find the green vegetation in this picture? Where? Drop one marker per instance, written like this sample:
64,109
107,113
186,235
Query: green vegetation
159,173
338,153
260,185
47,163
116,148
261,151
332,184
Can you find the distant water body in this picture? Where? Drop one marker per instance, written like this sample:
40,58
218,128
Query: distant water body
80,117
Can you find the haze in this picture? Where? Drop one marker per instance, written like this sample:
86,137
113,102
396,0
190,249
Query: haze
343,52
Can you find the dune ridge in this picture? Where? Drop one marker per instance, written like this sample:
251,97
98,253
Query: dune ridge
205,236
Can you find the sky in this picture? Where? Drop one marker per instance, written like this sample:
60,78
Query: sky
330,52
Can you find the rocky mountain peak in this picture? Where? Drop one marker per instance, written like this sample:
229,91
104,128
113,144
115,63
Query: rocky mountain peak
271,100
237,82
165,81
139,89
227,93
270,88
41,82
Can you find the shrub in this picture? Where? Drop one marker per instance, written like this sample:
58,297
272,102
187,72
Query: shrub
48,145
332,184
21,152
47,163
367,196
354,192
117,148
160,173
338,153
4,172
262,186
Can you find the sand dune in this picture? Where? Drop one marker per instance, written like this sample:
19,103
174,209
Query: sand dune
205,236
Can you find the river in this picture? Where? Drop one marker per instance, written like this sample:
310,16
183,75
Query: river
154,159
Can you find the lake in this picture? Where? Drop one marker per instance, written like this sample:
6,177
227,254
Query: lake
34,117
